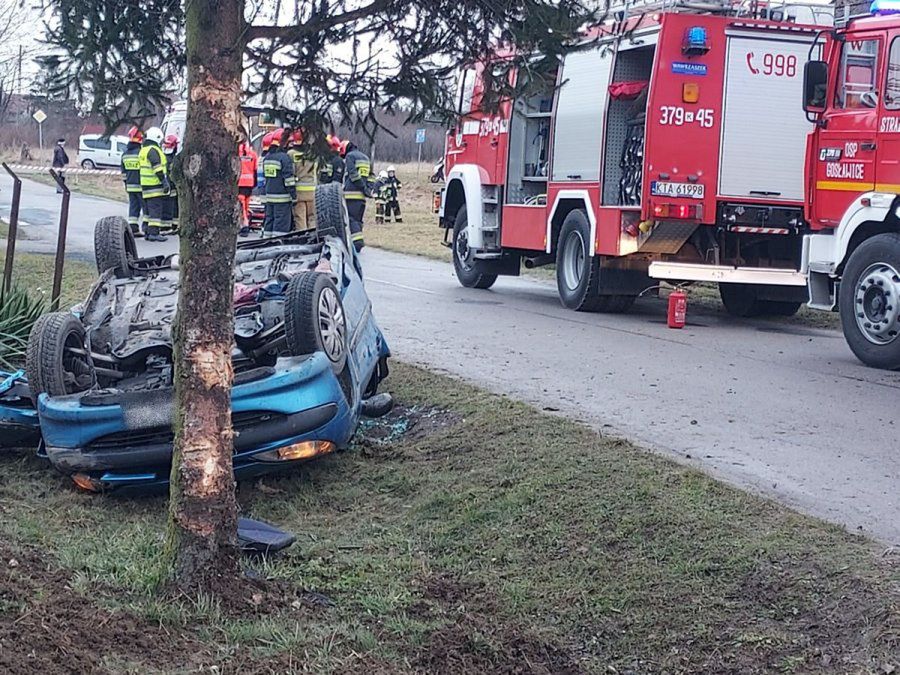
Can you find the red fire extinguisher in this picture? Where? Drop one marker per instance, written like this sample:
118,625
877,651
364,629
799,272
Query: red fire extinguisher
677,308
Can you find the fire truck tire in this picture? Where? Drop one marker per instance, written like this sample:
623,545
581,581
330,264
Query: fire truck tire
467,269
779,307
741,300
577,273
869,301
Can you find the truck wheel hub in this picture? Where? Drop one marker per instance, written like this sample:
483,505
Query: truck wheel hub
573,260
878,303
462,249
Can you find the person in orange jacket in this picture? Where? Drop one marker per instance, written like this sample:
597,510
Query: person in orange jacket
246,183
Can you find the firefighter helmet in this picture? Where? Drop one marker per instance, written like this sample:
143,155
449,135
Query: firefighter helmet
342,148
277,137
333,142
171,142
392,169
382,175
155,134
267,141
297,137
135,135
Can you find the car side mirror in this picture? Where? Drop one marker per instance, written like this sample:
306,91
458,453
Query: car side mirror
815,86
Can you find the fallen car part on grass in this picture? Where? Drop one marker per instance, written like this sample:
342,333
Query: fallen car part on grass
257,537
307,354
19,425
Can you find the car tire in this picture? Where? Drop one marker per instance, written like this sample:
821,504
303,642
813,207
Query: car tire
467,270
49,366
314,318
869,301
332,218
114,246
88,164
741,300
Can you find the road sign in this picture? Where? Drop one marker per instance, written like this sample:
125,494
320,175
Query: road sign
420,136
39,116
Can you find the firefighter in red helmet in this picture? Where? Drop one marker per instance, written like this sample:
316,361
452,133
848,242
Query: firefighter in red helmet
281,191
356,188
131,174
246,183
305,181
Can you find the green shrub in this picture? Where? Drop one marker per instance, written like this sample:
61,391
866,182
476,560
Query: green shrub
18,312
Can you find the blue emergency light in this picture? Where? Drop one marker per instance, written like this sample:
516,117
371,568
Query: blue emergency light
695,41
885,7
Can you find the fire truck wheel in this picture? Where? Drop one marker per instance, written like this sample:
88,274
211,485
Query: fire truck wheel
741,299
466,268
869,301
577,274
779,307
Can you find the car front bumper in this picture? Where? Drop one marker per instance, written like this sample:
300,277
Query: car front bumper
124,439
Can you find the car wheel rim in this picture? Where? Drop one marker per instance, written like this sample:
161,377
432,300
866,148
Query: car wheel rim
573,260
877,303
331,324
462,248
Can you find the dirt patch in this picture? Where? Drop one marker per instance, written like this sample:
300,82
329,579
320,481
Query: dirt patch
476,639
407,423
47,627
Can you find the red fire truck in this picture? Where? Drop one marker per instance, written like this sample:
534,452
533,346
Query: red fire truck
853,182
671,147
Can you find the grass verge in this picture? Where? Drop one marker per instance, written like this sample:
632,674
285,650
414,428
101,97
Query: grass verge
35,272
464,533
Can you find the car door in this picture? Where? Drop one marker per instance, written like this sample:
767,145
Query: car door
887,172
845,162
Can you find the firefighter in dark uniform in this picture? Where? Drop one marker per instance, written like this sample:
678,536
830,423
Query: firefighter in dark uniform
356,189
170,217
154,182
267,211
331,169
281,190
392,196
131,174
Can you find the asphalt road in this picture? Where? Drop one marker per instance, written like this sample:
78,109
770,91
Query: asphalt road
774,407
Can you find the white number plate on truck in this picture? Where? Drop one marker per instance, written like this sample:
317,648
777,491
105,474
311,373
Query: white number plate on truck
666,189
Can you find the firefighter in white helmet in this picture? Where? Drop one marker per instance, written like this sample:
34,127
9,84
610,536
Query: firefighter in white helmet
154,182
392,196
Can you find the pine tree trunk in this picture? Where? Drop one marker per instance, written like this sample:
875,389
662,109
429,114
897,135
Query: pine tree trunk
202,545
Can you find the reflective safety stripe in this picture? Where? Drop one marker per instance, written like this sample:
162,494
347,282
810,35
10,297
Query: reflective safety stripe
153,192
278,199
290,181
131,162
356,236
306,188
132,188
271,168
354,195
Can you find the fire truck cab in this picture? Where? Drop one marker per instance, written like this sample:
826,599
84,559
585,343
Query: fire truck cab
852,256
671,147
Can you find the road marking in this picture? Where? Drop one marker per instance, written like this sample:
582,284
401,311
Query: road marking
395,285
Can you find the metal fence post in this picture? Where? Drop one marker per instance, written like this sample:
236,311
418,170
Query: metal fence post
13,229
60,241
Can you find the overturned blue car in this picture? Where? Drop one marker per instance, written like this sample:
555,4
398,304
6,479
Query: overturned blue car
308,357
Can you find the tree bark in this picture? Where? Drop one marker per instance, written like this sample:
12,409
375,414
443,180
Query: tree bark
201,551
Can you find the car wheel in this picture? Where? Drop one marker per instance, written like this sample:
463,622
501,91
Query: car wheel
741,300
869,301
55,360
314,319
331,212
466,267
88,164
114,246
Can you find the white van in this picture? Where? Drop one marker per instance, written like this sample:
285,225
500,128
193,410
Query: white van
95,151
174,122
